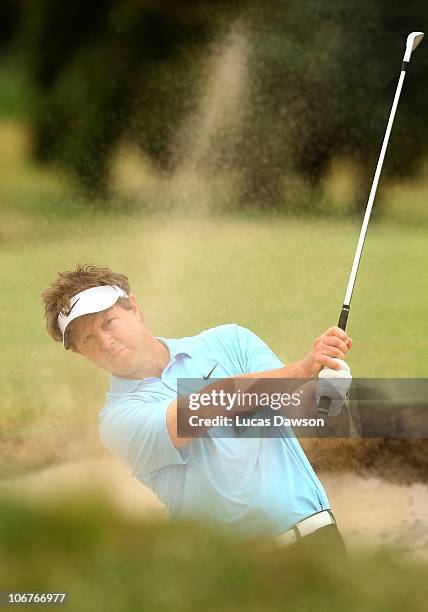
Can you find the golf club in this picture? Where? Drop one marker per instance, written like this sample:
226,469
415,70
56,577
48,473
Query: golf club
413,40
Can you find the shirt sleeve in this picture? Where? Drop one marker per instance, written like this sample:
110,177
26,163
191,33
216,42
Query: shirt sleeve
255,354
135,431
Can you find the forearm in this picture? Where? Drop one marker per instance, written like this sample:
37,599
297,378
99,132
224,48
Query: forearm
227,385
255,383
291,370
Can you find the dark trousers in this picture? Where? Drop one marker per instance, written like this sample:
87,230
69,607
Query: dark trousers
328,538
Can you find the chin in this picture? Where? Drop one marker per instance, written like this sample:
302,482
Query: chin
125,370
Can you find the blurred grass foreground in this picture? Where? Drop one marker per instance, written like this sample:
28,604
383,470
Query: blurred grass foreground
106,562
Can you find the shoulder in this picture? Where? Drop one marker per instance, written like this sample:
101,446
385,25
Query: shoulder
228,332
244,349
227,336
231,344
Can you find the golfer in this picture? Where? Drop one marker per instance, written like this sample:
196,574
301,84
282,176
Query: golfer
261,486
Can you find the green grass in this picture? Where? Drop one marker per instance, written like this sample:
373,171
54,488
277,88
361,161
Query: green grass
107,562
282,277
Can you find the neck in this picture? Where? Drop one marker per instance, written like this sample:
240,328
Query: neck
154,359
157,358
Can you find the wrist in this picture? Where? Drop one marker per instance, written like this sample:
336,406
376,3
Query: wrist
297,369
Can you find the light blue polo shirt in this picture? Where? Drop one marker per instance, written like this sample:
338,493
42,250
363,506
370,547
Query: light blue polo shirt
259,486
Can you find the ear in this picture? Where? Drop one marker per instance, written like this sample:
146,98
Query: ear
133,302
135,308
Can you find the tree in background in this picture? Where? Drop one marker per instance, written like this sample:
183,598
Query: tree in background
321,79
97,66
325,73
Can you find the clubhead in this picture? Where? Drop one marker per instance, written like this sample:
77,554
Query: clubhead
413,40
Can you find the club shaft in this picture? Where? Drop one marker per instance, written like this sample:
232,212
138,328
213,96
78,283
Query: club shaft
360,245
413,40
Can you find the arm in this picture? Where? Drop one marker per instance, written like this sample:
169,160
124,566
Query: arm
171,415
333,343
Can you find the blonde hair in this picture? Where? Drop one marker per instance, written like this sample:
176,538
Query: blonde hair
56,298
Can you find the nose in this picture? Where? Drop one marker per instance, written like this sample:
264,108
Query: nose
105,340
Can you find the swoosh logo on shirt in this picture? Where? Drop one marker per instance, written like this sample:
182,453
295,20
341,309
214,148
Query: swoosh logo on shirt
210,372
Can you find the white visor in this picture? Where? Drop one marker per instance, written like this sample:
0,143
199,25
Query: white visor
91,300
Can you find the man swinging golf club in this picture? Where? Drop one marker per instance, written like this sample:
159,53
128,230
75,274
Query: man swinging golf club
261,486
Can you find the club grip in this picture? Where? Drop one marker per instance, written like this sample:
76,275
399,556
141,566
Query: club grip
343,319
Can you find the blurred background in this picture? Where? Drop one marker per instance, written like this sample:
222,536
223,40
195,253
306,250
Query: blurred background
220,155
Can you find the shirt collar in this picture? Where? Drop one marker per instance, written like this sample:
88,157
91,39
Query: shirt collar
120,385
175,347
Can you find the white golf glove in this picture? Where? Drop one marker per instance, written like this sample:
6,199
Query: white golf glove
333,385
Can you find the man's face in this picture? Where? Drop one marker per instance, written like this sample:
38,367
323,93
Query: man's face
112,339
